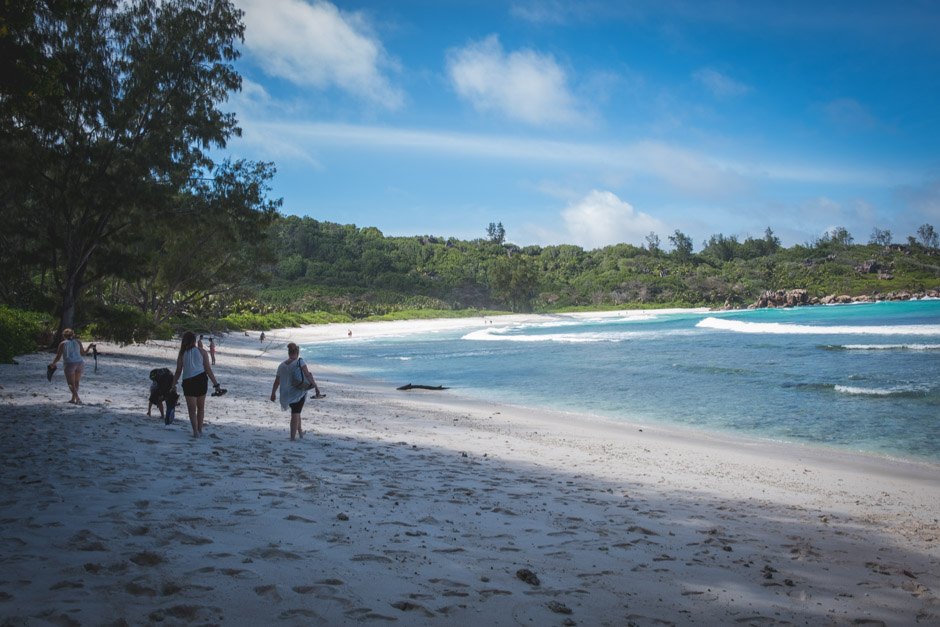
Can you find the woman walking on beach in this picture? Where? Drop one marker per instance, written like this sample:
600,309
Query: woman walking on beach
294,379
193,364
71,352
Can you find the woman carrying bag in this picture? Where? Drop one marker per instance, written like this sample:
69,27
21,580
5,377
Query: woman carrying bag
294,379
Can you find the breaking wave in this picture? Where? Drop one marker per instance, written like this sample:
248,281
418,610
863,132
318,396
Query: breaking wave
777,328
882,347
893,391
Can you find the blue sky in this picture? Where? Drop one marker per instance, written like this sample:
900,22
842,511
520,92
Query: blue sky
593,123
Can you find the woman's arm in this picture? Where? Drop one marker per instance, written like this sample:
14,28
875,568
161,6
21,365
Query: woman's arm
310,378
206,364
277,383
179,370
58,354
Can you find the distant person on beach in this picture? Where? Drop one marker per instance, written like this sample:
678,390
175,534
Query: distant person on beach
262,336
72,353
192,364
212,349
294,379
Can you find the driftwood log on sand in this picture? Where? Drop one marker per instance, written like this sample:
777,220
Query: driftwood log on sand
421,387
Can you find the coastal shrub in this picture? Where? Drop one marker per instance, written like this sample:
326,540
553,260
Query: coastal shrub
22,332
124,325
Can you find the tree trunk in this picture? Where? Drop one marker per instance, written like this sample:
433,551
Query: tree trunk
71,291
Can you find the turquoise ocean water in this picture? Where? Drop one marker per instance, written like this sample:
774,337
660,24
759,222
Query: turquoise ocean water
862,377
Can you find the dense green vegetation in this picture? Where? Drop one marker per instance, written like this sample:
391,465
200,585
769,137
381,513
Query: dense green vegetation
328,266
319,272
21,331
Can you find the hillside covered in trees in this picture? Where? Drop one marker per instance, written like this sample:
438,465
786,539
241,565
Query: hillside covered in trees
322,265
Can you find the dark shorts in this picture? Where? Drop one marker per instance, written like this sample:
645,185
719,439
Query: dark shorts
296,408
196,386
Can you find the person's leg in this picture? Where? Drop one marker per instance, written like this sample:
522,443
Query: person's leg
149,405
160,407
191,408
69,376
294,420
76,379
300,431
200,412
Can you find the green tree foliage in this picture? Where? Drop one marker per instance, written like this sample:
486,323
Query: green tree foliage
109,120
514,282
720,248
927,235
835,238
359,271
21,332
496,233
682,246
221,250
880,237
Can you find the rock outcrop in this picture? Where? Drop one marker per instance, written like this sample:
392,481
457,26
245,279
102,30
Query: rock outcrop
783,298
800,297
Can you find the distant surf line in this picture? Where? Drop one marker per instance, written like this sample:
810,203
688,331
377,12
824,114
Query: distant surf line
777,328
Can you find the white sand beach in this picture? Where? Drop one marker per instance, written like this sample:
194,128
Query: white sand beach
421,508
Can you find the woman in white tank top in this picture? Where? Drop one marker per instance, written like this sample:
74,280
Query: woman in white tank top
192,365
71,352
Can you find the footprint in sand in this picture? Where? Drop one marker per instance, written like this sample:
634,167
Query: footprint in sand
147,558
268,592
188,613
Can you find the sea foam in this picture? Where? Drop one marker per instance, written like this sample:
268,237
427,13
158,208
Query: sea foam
894,391
883,347
777,328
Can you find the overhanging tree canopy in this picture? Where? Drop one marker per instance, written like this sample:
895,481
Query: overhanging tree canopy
111,116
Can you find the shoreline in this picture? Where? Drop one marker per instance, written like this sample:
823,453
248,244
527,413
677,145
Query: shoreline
415,508
336,332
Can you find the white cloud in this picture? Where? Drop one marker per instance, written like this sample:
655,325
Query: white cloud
252,96
688,171
720,85
601,218
524,85
316,45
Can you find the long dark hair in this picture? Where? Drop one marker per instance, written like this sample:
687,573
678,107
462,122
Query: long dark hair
187,342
